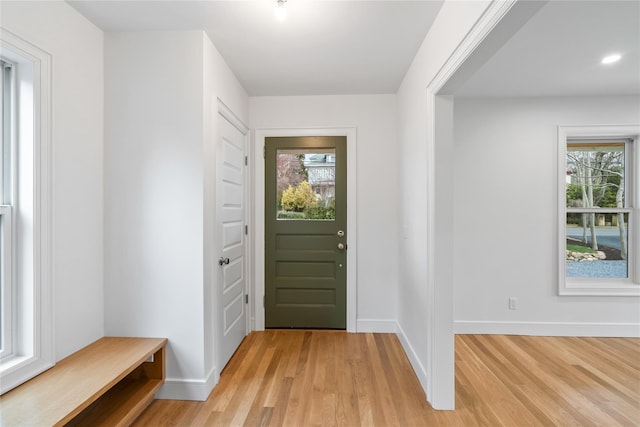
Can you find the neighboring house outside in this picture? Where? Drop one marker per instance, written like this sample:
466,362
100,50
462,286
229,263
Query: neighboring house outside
321,172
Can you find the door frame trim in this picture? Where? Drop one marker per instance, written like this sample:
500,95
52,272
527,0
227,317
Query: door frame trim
259,136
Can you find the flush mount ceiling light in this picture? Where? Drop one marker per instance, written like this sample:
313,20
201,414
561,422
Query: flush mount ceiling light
281,11
610,59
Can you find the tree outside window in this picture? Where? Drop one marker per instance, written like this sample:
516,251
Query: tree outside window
597,215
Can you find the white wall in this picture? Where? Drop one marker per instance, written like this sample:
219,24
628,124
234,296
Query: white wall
76,47
450,27
153,192
374,116
506,218
160,91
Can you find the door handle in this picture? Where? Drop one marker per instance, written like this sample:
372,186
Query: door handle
223,261
342,246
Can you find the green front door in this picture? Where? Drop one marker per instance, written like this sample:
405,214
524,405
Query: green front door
305,232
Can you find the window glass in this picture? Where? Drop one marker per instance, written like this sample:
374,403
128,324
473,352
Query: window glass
597,245
306,184
6,309
595,175
597,215
4,111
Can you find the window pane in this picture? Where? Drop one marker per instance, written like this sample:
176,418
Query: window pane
4,99
5,301
595,175
306,184
3,308
597,245
5,129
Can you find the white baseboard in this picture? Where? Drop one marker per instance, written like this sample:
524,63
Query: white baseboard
380,326
417,366
188,389
558,329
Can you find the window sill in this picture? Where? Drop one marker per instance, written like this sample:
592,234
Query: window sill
19,369
600,289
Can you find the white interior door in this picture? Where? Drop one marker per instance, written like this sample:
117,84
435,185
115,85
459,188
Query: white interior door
231,211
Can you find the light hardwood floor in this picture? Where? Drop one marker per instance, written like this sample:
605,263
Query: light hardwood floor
324,378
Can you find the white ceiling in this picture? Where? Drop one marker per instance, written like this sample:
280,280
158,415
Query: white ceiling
558,53
354,47
323,47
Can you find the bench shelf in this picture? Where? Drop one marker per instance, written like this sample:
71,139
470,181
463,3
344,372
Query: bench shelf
108,383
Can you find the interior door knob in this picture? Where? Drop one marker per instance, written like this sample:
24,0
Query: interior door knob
223,261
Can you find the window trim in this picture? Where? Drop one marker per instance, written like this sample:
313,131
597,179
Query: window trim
32,260
602,287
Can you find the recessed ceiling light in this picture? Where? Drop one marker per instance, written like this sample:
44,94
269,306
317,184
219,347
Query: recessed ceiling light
610,59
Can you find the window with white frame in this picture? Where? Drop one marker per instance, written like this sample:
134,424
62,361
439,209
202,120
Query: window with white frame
598,200
6,222
26,311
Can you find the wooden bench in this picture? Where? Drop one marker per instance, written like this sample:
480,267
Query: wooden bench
107,383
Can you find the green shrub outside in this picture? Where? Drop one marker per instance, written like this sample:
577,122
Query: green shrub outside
320,212
291,215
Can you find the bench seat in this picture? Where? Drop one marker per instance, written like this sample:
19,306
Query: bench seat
109,383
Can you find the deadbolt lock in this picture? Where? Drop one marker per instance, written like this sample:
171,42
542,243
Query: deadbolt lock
340,233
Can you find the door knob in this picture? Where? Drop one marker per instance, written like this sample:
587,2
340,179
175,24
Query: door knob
223,261
342,246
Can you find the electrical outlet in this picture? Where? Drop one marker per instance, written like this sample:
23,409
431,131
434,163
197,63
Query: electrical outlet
513,303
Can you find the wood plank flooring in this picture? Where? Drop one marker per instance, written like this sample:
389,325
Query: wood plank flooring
327,378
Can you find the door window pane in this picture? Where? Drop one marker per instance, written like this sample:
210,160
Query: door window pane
306,184
597,245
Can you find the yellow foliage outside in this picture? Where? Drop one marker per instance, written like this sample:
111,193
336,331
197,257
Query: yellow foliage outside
288,200
299,198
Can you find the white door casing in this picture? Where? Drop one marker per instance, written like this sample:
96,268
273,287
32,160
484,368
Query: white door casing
231,190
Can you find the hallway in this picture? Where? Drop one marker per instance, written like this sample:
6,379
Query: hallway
327,378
